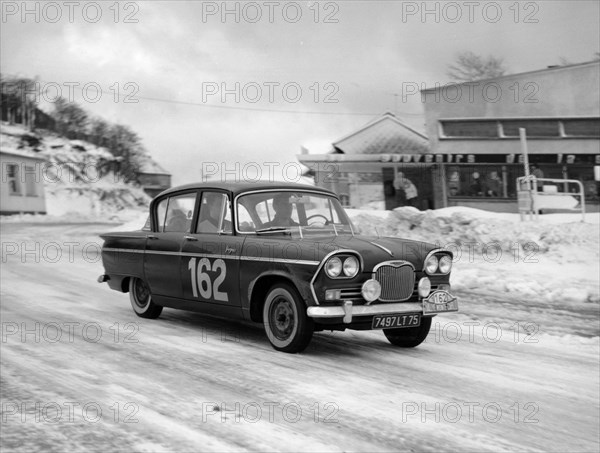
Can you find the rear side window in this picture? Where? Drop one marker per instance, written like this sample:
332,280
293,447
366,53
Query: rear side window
180,210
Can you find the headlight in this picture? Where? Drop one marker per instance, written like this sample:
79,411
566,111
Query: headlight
371,290
431,265
445,264
333,267
424,287
351,266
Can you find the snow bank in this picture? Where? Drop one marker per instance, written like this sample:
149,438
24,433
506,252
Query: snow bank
461,226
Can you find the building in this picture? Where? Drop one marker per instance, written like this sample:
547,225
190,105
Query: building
22,185
471,155
369,165
473,130
153,178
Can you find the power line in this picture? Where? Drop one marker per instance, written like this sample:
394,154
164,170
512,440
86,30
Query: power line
227,107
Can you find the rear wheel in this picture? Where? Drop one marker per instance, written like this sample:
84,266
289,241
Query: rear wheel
409,337
286,324
141,299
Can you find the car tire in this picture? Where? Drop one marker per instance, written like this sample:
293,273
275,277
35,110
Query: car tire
141,299
409,337
286,323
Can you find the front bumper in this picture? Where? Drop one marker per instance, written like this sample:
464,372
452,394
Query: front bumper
348,310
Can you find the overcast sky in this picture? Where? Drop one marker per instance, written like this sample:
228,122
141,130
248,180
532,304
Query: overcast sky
357,53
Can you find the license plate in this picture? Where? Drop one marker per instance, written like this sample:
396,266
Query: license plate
396,321
440,302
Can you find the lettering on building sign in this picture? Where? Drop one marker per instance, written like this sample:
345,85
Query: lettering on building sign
467,158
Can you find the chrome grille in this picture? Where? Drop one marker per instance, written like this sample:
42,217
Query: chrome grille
397,280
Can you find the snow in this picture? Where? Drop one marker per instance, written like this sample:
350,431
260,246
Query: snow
525,341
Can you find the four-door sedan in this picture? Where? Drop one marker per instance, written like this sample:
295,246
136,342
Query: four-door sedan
284,255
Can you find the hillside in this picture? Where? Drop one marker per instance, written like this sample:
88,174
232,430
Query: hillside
81,180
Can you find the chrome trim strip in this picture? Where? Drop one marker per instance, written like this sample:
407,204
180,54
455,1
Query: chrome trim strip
364,310
279,260
385,249
215,255
111,249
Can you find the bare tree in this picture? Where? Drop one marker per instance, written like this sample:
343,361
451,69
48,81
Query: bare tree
470,66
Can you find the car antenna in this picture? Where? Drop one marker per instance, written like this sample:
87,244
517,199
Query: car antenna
334,229
300,231
377,232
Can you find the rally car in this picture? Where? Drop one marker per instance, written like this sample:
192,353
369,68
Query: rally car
284,255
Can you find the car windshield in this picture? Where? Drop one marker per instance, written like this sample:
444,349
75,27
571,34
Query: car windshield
291,212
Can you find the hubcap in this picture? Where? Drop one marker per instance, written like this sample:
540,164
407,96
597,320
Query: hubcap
282,318
142,294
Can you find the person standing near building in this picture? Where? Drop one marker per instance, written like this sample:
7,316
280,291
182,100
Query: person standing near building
538,173
493,185
404,186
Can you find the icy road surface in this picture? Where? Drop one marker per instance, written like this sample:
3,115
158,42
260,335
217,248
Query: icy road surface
80,372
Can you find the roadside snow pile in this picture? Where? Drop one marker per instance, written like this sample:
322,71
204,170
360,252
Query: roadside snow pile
480,229
555,260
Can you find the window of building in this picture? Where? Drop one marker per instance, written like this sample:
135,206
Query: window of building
12,176
470,129
534,128
582,127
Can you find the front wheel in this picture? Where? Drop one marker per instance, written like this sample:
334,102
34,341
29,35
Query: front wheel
286,324
409,337
141,299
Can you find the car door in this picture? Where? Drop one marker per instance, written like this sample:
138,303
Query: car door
210,254
174,216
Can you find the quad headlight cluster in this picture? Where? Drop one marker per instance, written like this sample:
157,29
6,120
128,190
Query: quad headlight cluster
435,265
342,267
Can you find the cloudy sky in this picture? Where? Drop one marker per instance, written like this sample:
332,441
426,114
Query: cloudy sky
253,81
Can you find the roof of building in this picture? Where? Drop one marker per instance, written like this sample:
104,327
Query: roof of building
519,74
21,153
150,166
384,135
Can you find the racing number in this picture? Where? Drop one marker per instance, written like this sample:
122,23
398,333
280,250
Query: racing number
201,280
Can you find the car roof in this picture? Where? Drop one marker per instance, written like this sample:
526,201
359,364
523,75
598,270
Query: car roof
237,188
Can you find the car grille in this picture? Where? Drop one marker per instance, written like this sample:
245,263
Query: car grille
397,280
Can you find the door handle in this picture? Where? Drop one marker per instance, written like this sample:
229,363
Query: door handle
151,236
190,238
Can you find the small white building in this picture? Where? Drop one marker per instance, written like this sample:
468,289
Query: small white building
22,182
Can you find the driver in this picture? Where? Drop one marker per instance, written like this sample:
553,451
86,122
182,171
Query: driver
283,212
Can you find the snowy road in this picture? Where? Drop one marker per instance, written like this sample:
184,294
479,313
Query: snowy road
81,372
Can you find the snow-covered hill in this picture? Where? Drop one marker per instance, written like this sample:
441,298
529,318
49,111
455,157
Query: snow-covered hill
79,178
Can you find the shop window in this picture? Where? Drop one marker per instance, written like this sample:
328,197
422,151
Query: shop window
586,175
582,127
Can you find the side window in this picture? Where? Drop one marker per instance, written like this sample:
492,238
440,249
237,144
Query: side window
161,210
215,213
12,173
179,213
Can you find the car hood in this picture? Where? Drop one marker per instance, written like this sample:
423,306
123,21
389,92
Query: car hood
374,250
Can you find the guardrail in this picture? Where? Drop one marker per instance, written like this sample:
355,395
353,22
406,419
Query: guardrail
535,194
